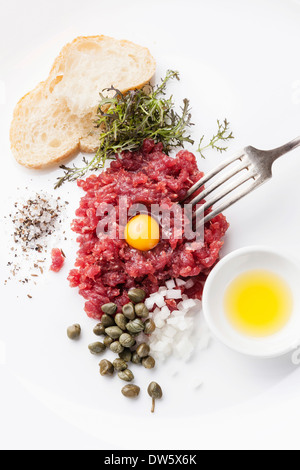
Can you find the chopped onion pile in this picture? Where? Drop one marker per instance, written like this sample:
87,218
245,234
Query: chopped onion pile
179,332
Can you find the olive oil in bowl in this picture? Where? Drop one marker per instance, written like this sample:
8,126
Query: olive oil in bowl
258,303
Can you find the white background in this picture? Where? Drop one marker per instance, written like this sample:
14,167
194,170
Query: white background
238,59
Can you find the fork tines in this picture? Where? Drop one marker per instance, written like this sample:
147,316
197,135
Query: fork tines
228,182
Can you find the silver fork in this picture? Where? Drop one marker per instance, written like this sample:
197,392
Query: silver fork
251,166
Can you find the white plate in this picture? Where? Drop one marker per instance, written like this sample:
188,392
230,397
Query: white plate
237,60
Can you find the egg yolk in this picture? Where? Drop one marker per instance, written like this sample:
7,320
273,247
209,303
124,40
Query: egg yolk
142,232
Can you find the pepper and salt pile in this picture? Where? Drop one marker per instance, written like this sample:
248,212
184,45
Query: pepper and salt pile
35,221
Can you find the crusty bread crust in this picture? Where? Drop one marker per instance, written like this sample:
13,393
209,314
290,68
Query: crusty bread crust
53,122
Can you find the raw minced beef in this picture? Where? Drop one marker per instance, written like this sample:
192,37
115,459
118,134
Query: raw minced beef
107,268
58,260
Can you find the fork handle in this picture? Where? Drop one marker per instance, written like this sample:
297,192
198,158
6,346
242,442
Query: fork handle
276,153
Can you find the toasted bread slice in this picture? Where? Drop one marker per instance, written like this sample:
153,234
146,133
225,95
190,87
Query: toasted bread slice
89,65
44,132
56,119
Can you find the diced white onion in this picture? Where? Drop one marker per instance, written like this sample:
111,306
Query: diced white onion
189,284
174,294
170,284
189,304
177,333
159,323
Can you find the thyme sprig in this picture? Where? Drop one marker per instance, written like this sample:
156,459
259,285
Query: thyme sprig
126,120
223,135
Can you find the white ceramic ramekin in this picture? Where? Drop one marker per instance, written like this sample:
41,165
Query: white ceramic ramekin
234,264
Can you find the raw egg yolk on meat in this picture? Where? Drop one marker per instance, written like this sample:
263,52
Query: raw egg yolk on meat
142,232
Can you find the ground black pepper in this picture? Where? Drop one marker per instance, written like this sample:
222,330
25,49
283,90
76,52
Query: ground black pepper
33,221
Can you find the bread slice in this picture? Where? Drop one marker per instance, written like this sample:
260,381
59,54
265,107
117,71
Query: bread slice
56,120
44,132
88,65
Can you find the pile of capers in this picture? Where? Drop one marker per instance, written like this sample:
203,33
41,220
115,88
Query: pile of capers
120,331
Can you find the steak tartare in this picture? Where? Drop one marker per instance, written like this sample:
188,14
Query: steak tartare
107,268
58,260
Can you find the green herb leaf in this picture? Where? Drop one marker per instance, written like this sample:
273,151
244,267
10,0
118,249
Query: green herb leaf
223,135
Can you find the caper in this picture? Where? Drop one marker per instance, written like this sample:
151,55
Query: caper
141,311
136,359
137,295
135,335
131,391
119,364
107,321
149,327
126,355
135,326
155,392
74,331
109,309
126,375
128,311
148,362
97,348
143,350
108,341
106,367
114,332
99,329
116,347
121,321
127,340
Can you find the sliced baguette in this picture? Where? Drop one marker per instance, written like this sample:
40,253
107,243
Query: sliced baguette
56,120
88,65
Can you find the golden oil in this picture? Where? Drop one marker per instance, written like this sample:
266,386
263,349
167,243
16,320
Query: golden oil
258,303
